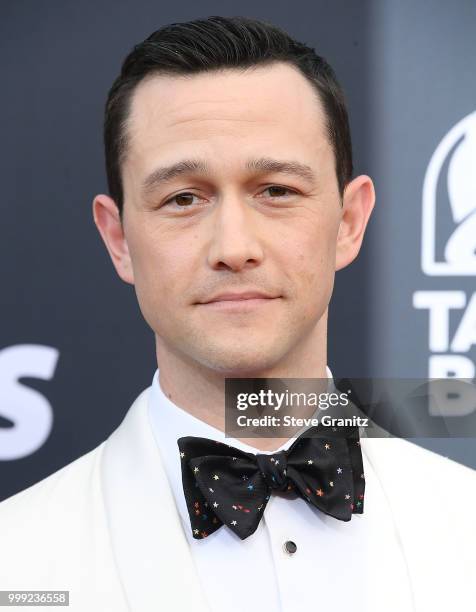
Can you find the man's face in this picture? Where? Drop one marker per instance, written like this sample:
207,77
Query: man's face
240,223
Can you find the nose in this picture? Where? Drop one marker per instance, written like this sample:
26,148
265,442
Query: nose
235,244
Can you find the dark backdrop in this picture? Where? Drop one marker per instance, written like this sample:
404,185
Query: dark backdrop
74,349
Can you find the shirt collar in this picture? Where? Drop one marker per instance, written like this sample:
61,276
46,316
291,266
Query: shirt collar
169,422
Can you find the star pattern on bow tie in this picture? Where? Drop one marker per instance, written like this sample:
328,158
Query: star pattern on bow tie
328,476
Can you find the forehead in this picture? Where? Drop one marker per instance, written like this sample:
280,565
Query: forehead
266,107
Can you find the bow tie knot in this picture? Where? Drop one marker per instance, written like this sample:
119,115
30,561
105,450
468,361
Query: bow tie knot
273,468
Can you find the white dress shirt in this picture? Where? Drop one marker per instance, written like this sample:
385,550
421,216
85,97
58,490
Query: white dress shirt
333,567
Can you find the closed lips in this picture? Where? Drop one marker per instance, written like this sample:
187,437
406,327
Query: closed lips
239,296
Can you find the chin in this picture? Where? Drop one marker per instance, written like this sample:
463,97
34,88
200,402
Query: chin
239,364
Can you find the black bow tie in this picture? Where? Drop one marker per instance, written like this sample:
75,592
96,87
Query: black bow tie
226,486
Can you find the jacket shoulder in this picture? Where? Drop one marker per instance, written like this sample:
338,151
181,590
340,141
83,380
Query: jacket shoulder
52,494
55,534
391,454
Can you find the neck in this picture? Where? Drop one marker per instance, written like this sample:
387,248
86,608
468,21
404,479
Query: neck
200,390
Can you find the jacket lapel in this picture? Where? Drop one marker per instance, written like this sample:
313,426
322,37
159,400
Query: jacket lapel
427,494
386,583
151,551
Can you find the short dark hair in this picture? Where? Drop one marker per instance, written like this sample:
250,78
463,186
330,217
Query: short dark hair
216,43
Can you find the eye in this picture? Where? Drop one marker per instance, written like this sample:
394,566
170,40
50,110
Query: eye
276,191
183,200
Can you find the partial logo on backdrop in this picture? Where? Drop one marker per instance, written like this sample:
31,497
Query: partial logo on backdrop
448,249
448,246
26,416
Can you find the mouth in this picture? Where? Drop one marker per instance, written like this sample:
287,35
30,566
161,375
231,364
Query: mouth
238,304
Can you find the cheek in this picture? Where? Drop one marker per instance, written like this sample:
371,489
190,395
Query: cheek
310,260
161,267
312,272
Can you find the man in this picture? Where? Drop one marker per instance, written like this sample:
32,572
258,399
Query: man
231,206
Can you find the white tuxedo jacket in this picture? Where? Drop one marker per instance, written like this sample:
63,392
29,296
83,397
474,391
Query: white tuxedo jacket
92,528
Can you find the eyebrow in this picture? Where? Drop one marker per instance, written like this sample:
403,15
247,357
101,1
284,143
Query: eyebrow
193,166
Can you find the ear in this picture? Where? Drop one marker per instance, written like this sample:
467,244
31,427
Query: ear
107,220
358,203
